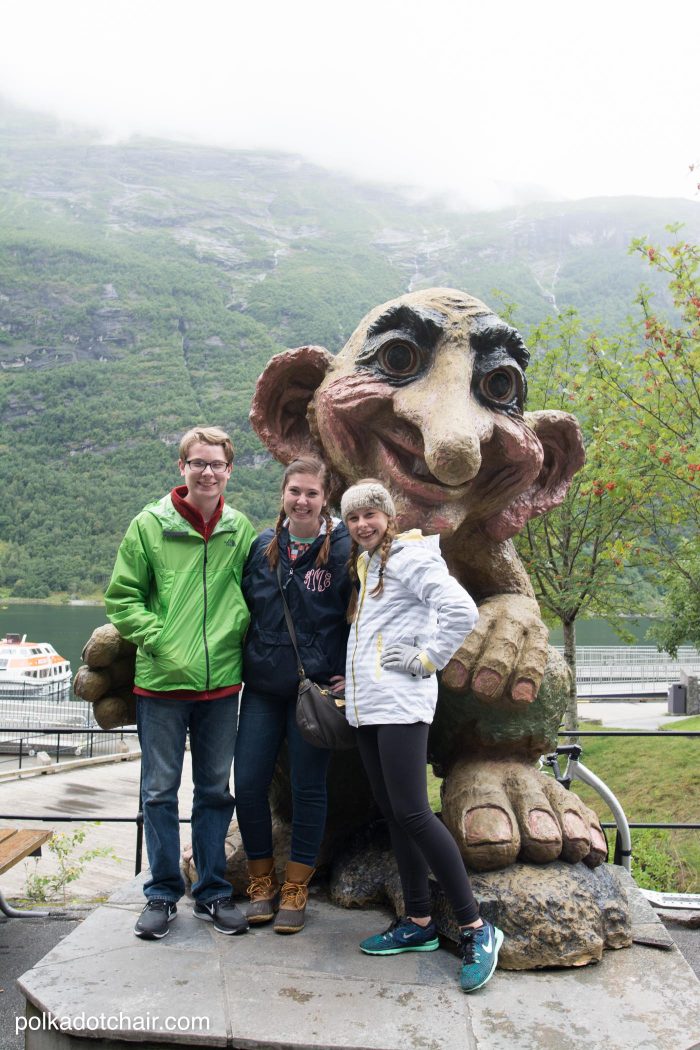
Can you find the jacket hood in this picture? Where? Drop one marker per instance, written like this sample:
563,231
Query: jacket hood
339,532
171,519
412,538
322,530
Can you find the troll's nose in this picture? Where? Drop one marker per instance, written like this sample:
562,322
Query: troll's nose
452,453
453,425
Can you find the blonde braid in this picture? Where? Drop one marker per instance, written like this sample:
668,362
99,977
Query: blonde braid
385,547
352,573
323,554
272,551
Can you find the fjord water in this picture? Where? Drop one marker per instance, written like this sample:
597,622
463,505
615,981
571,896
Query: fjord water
599,632
68,627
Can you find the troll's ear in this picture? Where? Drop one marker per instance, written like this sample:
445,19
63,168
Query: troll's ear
282,396
564,454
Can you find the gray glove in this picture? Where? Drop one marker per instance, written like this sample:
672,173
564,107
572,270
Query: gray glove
400,657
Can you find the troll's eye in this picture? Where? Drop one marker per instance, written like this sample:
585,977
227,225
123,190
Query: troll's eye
500,386
399,359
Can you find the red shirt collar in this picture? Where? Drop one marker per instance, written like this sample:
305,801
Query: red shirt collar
190,513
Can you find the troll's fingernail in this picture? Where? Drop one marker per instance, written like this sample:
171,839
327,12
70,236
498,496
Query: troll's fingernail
524,691
455,675
487,682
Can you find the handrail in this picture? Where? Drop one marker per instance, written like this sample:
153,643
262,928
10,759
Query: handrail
635,733
628,732
19,734
138,819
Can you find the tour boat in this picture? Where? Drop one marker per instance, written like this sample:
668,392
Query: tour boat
32,669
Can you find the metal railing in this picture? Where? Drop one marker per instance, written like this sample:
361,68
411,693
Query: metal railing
630,670
41,689
52,722
632,824
80,743
137,819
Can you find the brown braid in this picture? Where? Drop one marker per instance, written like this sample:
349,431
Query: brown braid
322,556
384,547
272,551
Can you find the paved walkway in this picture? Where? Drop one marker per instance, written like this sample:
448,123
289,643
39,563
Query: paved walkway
317,991
630,714
110,790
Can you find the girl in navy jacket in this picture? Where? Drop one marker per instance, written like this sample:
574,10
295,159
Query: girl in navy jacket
312,550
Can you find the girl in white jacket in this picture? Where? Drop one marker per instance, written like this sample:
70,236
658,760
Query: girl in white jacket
408,620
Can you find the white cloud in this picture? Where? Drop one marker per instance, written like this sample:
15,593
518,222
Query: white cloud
472,98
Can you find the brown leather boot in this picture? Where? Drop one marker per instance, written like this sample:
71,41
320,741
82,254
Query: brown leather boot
295,892
263,891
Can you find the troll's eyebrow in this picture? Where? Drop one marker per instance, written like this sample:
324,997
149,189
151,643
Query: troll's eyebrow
490,333
424,326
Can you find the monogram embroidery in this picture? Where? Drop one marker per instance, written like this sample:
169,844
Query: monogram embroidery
317,579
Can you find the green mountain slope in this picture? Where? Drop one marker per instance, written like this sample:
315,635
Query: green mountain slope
143,287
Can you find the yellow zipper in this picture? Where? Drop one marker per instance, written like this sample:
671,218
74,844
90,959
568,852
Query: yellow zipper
363,592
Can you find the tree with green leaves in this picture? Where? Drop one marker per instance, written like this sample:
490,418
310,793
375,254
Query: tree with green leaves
576,553
650,381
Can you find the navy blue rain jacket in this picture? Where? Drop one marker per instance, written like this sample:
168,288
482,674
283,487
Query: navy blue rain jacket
318,601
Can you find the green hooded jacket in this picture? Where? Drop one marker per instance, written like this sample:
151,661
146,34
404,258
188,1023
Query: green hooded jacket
178,598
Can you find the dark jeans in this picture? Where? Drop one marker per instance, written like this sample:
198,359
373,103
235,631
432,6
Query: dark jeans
162,726
395,758
264,722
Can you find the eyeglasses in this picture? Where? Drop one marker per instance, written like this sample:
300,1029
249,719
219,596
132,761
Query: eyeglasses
218,466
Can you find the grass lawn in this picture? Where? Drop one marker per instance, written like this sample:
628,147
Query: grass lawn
656,781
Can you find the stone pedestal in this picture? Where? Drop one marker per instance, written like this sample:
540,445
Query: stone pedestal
103,989
552,915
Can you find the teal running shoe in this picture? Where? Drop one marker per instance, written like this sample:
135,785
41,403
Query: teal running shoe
479,950
402,936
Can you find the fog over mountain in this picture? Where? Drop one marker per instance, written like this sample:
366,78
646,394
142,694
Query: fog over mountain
493,104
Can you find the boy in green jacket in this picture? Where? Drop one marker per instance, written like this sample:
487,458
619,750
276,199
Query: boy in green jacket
175,592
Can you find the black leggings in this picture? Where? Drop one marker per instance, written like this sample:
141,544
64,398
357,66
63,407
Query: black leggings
395,759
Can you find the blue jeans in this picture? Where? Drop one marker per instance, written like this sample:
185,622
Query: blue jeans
265,721
162,726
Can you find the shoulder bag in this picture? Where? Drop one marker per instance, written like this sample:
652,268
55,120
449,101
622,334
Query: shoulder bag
320,714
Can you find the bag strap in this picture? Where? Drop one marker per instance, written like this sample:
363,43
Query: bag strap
290,625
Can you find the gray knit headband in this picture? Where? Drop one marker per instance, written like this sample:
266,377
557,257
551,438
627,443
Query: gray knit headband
369,495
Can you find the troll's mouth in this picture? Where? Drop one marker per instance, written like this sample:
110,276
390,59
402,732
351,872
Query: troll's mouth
409,469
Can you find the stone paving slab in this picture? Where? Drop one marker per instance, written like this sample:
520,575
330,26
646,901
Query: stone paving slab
317,990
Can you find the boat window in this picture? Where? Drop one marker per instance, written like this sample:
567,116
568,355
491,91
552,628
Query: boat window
3,664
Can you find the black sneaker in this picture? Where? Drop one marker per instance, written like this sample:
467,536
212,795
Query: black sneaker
479,950
226,916
153,921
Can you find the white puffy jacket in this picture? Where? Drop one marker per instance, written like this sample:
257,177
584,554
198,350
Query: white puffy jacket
421,605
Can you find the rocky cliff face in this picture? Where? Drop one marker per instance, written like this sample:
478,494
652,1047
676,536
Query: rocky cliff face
144,286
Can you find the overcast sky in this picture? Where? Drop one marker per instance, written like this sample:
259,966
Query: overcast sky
491,101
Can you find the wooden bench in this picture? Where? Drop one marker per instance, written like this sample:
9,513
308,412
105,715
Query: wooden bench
15,845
